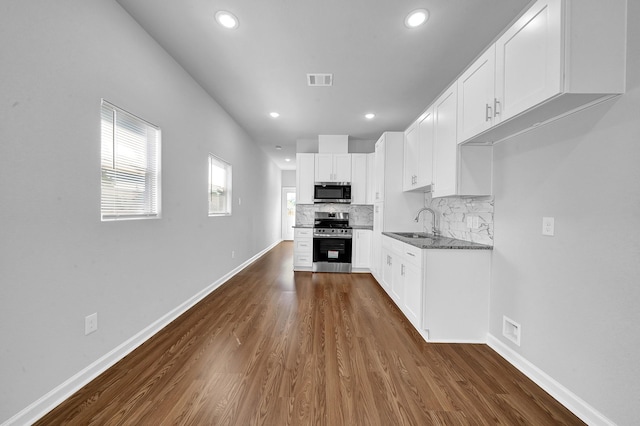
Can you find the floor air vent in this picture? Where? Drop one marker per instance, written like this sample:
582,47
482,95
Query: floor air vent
320,80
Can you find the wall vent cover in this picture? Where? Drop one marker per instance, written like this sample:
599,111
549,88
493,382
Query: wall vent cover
323,80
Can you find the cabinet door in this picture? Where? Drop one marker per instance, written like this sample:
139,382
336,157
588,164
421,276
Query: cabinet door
445,144
371,177
397,280
362,248
324,168
413,294
305,178
410,169
476,99
379,169
342,167
387,270
358,178
425,149
529,60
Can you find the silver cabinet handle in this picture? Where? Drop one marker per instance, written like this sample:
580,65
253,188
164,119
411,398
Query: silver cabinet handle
487,114
411,254
496,102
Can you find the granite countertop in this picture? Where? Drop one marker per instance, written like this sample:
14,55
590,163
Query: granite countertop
428,241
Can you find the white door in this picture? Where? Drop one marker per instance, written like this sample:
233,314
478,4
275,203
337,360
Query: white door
288,212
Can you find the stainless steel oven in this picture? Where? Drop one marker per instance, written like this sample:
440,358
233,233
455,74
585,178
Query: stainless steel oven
332,242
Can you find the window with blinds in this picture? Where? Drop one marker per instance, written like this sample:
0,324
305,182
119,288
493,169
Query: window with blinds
219,186
130,166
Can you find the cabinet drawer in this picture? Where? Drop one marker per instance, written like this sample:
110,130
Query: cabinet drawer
303,233
304,245
412,255
303,260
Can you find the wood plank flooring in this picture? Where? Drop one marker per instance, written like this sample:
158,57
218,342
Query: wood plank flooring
274,347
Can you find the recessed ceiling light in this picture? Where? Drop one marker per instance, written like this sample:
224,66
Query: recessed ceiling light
369,116
274,114
287,159
278,147
416,18
227,19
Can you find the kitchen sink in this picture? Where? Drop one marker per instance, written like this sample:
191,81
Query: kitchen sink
413,234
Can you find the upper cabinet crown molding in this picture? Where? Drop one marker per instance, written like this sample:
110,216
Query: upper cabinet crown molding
558,57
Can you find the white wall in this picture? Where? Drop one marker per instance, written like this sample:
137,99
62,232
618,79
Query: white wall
58,261
289,178
576,295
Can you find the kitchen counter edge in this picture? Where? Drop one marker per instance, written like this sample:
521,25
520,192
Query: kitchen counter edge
439,243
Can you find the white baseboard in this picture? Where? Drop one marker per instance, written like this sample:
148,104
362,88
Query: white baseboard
56,396
564,396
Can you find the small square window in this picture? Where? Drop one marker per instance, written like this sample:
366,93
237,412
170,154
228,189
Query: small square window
130,166
219,187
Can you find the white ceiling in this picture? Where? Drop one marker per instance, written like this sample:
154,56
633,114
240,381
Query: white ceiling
379,65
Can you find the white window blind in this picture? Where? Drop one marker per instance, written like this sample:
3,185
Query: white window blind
219,186
130,166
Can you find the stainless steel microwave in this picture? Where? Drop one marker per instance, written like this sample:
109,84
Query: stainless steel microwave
332,192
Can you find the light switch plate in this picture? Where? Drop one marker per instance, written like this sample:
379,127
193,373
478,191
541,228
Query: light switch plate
548,226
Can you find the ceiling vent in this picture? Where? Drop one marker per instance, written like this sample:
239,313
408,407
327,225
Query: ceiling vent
320,80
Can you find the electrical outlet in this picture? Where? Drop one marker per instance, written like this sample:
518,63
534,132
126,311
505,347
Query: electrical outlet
548,226
469,222
90,323
476,222
233,254
239,201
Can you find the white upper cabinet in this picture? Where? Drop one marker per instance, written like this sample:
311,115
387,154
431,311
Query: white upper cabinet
457,170
304,178
410,168
445,144
529,60
379,163
333,168
418,153
476,96
558,57
359,178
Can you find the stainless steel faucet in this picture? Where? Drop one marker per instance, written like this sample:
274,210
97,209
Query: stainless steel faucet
434,227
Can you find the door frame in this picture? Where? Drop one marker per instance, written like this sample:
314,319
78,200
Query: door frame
284,233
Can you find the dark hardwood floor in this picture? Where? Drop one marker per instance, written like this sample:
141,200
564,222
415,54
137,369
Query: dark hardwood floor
274,347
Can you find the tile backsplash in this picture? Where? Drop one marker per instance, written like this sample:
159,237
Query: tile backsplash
359,214
456,214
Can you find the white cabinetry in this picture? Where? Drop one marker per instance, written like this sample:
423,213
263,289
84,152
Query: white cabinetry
559,56
443,293
402,276
371,178
361,249
476,96
302,249
456,295
305,178
394,209
359,170
457,170
418,153
333,168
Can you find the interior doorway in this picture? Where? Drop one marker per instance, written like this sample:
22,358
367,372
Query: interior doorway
288,212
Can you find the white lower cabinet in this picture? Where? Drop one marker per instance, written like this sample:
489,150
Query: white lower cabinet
361,258
444,293
302,249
